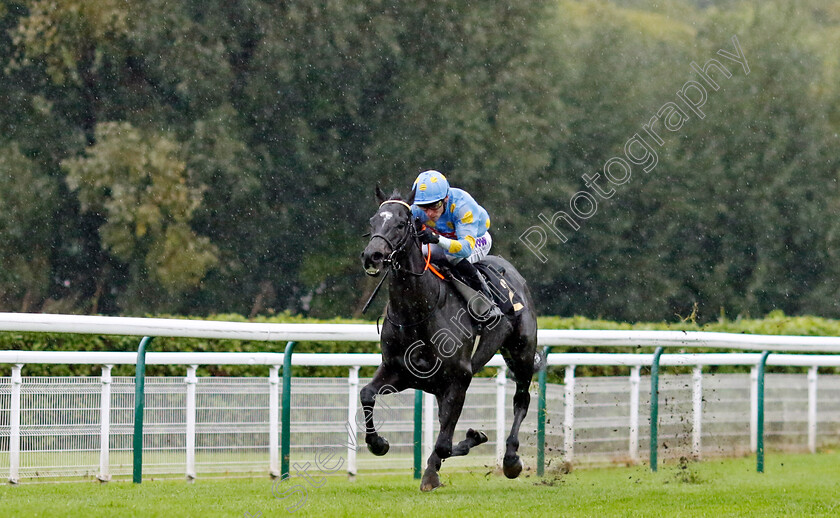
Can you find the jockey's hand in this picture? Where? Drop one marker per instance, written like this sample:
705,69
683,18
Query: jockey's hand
426,236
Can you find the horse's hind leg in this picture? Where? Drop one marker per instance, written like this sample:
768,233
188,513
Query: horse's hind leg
431,480
512,464
521,363
473,439
449,411
450,404
385,382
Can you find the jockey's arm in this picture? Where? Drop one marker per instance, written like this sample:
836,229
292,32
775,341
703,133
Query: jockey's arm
466,230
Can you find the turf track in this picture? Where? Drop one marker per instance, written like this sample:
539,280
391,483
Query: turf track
792,485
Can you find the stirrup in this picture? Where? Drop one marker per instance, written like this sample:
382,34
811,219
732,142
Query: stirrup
495,311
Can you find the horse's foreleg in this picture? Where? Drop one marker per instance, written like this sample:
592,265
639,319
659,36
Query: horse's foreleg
512,464
431,480
388,381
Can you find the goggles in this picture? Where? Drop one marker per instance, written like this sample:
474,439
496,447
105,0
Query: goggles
432,206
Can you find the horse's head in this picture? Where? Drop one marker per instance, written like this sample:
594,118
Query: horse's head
391,231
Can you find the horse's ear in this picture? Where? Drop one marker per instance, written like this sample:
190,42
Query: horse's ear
380,195
410,199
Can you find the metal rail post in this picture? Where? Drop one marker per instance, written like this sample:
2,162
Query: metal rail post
635,382
760,435
273,421
697,407
654,407
428,425
105,425
352,426
285,440
569,413
191,380
418,434
541,415
501,383
139,406
14,425
812,409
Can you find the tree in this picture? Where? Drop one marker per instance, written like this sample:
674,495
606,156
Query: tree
26,229
143,191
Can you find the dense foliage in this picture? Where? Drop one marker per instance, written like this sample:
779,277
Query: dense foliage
220,156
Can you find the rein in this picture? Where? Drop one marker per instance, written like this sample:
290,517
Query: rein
427,317
391,260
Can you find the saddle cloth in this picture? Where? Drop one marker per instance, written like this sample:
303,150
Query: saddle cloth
504,296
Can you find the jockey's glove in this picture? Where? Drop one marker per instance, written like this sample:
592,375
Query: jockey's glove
426,236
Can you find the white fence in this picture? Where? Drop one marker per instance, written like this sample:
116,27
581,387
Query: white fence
60,426
205,426
607,418
81,324
81,426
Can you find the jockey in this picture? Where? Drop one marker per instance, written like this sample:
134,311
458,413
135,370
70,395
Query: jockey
456,224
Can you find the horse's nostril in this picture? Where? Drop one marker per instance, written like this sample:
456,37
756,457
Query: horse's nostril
377,256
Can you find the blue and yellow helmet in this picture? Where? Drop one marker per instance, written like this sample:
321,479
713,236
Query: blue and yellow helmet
429,187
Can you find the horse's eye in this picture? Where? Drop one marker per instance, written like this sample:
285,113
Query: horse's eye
401,225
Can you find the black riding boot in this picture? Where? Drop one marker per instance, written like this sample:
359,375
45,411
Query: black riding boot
467,271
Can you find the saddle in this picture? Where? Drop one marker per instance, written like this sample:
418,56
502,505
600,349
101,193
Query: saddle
504,296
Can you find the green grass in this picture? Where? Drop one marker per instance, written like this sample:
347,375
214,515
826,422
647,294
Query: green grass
792,485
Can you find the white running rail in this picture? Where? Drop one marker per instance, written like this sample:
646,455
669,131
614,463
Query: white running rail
11,392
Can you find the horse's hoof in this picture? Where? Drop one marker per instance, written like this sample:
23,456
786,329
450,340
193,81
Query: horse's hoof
476,437
512,466
430,482
378,446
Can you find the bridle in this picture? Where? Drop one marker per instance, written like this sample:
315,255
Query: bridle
408,237
391,262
